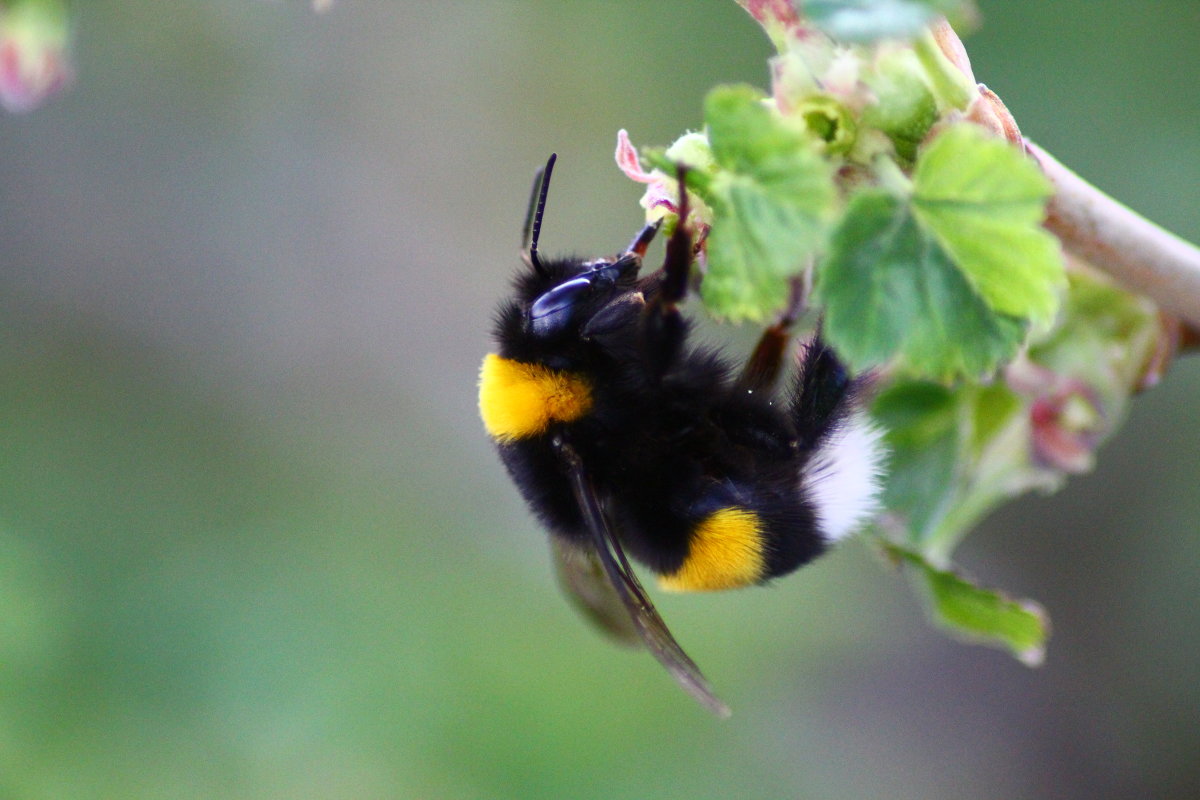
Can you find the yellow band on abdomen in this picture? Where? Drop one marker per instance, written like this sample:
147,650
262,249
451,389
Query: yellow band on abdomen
518,400
726,551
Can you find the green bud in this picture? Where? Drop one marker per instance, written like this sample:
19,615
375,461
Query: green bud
829,122
905,108
693,150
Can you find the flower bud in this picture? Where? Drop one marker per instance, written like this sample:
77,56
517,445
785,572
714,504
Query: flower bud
1067,425
693,151
829,122
661,198
905,108
777,17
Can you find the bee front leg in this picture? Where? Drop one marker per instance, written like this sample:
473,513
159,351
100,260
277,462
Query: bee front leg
665,328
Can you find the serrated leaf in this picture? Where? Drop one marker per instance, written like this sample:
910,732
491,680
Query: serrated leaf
984,201
914,412
889,289
771,198
979,614
870,20
752,250
748,138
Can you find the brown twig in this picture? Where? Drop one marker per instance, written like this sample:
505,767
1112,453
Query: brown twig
1137,253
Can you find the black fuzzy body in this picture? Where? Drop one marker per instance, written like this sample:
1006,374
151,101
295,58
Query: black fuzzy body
672,434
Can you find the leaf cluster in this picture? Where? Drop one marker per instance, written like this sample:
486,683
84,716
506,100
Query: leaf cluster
997,370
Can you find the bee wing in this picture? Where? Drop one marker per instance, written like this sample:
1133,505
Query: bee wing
647,624
584,580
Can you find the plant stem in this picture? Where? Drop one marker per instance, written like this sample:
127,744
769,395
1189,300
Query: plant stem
1133,250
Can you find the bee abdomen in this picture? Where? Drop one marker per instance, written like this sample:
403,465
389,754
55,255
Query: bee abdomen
726,550
843,477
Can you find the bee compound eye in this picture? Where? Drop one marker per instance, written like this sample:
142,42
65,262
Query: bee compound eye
560,298
553,311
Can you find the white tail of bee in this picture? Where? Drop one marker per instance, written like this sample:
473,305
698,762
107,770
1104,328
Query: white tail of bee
844,476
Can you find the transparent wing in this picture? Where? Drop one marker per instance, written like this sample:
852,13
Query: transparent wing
647,624
584,580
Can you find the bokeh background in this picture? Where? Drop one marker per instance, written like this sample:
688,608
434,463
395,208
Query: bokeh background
254,543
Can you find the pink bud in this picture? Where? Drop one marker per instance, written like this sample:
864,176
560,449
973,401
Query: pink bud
661,190
628,161
1066,426
34,63
661,197
772,12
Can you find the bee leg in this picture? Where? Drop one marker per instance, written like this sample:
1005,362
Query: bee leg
665,328
765,363
642,241
679,249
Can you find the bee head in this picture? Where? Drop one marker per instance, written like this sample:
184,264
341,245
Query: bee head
562,303
569,306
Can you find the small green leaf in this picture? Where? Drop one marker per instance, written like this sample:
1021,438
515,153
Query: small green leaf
756,243
980,614
984,201
889,289
1020,626
749,138
916,411
870,20
922,424
771,195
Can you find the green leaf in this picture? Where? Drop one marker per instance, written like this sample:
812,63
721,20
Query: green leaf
749,138
772,196
755,245
922,424
980,614
869,20
889,289
984,202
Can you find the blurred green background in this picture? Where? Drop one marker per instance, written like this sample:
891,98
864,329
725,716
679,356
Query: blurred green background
255,544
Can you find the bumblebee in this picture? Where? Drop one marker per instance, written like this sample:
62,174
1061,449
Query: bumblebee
627,441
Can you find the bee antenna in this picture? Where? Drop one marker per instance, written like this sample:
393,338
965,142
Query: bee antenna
533,215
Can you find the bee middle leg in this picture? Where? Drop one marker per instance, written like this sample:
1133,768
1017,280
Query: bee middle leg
766,362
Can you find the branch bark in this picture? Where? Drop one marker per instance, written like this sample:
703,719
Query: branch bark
1137,253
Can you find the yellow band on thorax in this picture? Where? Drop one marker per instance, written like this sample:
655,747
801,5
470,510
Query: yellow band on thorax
724,552
518,400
